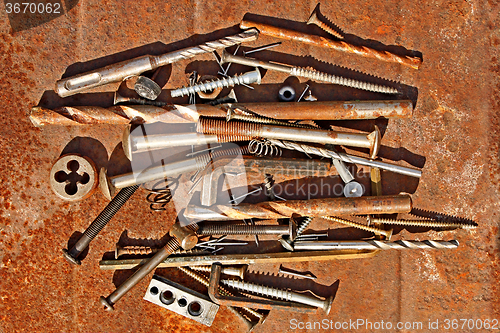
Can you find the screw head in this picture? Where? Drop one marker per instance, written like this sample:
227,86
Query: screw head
374,137
126,144
328,304
107,305
313,18
107,188
286,243
70,258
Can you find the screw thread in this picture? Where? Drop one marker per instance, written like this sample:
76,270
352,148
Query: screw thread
315,20
264,120
135,250
109,211
218,229
259,289
247,78
376,231
244,131
324,77
304,224
203,159
424,223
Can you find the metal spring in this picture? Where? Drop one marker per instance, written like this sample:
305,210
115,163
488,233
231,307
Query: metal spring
261,147
204,159
160,197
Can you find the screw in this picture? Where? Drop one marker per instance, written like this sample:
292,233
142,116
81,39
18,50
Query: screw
181,236
231,115
287,242
423,223
205,281
98,224
247,78
291,296
242,229
310,74
313,19
208,125
386,233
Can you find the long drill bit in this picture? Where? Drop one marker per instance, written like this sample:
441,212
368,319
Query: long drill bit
376,245
120,71
267,29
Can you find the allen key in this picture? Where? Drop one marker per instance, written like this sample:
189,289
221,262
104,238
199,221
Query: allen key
267,304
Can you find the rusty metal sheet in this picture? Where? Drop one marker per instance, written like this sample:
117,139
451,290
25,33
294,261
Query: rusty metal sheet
454,130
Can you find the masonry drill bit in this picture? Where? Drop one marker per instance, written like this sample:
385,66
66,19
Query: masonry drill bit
120,71
267,29
376,245
310,150
307,73
387,204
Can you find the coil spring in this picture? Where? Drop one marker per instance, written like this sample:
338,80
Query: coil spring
160,197
264,147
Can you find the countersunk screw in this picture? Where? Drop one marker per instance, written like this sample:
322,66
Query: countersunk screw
313,19
286,295
247,78
376,231
287,242
98,224
422,223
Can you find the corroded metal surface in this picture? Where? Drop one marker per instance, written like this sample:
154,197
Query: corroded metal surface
454,125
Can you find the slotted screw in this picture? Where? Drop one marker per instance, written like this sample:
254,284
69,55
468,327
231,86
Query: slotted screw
98,224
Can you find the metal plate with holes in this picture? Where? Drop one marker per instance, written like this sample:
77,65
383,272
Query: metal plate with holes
181,300
73,177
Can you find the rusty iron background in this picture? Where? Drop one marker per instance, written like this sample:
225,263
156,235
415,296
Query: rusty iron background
455,128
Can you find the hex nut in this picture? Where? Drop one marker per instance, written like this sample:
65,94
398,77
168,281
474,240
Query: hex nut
73,177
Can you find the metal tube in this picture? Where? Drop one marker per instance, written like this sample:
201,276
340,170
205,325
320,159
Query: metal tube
122,70
267,29
375,245
122,114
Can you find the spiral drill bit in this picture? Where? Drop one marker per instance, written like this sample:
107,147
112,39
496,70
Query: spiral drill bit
309,150
247,78
310,74
125,69
376,245
267,29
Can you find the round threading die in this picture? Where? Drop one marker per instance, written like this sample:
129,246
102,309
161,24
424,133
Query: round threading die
73,177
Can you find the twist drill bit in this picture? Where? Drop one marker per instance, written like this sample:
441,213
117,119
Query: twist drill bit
376,245
267,29
310,74
309,150
247,78
120,71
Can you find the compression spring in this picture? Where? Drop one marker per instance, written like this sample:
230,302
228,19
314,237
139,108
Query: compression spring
160,197
264,147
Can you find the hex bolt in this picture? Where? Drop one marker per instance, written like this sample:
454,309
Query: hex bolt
313,19
286,295
386,233
243,229
181,237
247,78
310,74
98,224
286,241
205,281
231,115
208,125
423,223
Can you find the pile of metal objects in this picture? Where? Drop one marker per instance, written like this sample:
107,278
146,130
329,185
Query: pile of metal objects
241,138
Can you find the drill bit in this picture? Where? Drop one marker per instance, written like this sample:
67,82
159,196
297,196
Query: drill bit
376,245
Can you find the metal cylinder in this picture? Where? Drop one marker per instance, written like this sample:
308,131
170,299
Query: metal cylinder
375,245
186,236
120,71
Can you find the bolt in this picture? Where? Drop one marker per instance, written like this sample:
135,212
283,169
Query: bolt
310,74
205,281
208,125
287,242
386,233
231,115
423,223
286,295
247,78
98,224
313,19
242,229
181,236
